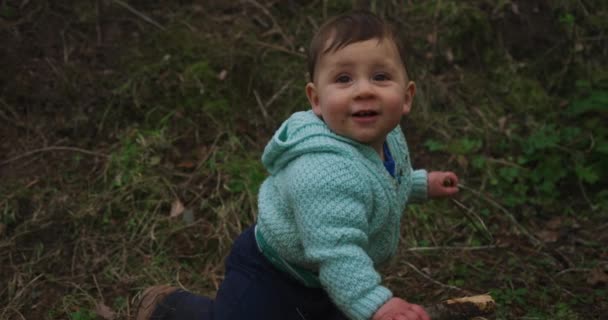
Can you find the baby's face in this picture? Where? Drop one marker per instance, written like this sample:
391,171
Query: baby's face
361,91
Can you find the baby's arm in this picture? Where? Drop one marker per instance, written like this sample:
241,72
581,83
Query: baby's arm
331,205
435,184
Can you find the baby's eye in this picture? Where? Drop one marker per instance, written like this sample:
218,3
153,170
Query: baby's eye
343,79
381,77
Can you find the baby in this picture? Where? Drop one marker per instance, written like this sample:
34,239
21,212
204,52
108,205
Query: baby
330,210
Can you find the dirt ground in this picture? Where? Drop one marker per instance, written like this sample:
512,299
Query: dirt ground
64,122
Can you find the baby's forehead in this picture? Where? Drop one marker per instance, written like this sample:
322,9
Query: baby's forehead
333,43
332,50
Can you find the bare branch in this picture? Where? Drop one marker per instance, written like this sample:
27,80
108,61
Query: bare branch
56,148
140,14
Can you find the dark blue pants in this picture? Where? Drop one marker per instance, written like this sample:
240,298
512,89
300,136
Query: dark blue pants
252,289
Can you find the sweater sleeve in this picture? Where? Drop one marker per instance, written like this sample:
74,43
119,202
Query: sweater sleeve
418,192
331,205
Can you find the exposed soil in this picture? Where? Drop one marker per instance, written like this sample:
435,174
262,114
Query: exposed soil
57,60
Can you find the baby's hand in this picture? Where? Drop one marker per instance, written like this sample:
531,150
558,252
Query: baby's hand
399,309
442,184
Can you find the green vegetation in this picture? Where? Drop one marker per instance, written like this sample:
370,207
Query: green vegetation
132,136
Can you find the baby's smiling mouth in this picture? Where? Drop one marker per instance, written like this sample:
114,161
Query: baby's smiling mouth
365,113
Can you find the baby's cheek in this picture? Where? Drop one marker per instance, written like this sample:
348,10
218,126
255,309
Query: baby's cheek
396,101
336,102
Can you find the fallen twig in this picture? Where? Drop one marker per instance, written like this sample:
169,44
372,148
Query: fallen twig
55,148
261,105
455,248
521,228
279,48
477,222
278,93
140,14
462,308
274,22
424,275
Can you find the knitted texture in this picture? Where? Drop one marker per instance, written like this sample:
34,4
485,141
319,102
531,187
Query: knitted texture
330,205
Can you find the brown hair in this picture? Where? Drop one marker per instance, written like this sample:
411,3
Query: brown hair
346,29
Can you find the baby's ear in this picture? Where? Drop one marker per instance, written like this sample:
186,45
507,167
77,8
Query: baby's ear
410,92
313,98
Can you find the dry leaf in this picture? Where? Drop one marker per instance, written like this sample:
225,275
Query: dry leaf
515,8
462,161
597,276
555,223
176,208
449,56
222,75
548,236
502,121
105,312
186,164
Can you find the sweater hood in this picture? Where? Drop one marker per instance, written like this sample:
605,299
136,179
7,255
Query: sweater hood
302,133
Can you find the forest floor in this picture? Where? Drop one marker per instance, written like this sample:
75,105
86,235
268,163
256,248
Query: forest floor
131,134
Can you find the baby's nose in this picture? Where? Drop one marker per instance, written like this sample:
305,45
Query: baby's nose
363,89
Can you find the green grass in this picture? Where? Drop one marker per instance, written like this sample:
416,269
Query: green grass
511,98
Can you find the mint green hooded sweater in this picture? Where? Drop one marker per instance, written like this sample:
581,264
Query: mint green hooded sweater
330,206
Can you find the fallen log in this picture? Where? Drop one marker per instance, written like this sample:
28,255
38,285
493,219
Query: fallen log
462,308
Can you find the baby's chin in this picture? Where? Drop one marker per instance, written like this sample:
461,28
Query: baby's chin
374,142
370,139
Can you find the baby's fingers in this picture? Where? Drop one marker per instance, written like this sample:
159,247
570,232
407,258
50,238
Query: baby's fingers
407,315
420,312
413,312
